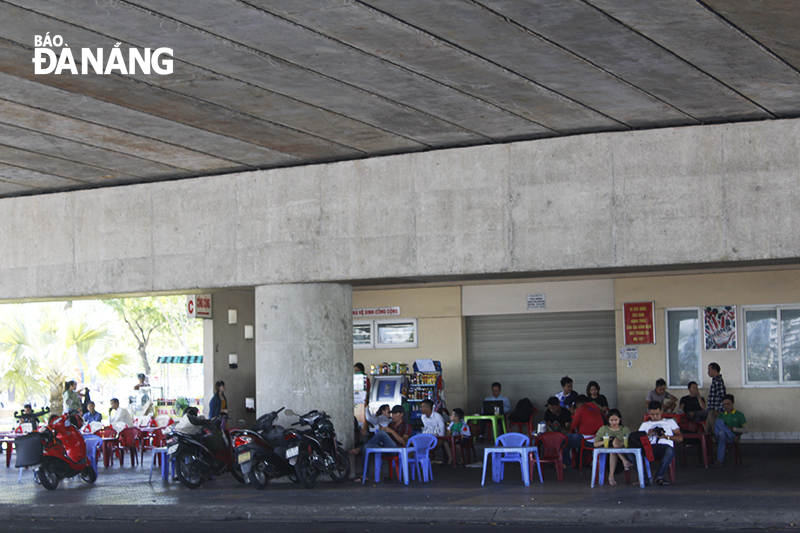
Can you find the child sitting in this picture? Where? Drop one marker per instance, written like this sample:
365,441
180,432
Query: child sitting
457,426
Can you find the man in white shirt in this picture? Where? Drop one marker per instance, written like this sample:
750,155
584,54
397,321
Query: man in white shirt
663,434
118,417
432,422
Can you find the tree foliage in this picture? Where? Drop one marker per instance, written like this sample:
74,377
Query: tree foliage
44,345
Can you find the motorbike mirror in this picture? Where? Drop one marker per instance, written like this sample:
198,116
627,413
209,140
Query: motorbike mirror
289,412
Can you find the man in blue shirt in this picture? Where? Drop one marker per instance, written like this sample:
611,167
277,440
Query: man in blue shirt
92,415
496,396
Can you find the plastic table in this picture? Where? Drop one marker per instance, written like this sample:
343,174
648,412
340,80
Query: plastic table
493,418
602,452
377,452
524,451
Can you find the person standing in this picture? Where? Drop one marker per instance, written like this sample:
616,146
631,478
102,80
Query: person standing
715,395
70,397
219,403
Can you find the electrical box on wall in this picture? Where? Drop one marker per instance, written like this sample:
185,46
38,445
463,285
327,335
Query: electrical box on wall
233,360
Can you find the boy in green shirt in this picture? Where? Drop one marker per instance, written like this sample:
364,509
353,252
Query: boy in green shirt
729,426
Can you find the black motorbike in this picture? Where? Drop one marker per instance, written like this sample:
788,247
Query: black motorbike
317,451
202,456
261,452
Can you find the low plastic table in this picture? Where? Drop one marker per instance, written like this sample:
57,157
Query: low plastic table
377,452
602,452
523,451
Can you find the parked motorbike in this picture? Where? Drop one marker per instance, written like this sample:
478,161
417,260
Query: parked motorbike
202,456
57,452
261,453
317,451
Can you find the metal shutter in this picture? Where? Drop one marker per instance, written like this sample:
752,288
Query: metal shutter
530,353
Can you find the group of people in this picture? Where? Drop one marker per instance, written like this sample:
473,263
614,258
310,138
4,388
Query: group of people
719,414
79,401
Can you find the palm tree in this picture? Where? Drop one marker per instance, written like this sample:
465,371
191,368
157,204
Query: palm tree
44,345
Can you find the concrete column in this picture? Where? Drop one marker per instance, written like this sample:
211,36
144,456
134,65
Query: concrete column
304,352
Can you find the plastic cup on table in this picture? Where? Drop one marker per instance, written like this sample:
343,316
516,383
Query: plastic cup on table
606,440
625,440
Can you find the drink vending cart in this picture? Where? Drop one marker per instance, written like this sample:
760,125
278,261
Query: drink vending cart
389,385
425,383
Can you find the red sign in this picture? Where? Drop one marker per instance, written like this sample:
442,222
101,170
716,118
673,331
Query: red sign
199,306
639,320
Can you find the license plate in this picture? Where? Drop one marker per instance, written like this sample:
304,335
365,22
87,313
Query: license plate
172,449
292,452
244,457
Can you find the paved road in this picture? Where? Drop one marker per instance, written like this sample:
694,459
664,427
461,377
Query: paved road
104,526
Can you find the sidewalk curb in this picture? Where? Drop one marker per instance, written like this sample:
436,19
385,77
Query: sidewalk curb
533,515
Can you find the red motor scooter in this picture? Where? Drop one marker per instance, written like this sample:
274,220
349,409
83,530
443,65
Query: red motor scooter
57,452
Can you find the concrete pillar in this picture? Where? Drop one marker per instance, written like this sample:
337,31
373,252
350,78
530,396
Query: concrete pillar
304,352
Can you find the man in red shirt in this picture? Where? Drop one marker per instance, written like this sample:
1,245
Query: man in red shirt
585,422
395,435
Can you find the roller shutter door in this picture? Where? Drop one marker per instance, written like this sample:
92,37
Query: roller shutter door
530,353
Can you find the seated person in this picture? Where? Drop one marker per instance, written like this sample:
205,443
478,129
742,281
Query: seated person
27,417
395,435
585,422
556,417
663,433
567,397
381,419
693,405
616,433
432,422
593,392
659,394
119,417
92,415
496,396
729,427
457,426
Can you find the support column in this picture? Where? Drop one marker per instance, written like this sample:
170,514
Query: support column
304,352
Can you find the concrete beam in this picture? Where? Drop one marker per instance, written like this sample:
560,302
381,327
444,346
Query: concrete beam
691,196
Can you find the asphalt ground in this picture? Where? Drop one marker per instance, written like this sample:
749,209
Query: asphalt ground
763,493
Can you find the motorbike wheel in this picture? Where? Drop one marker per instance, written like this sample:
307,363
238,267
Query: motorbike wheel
88,474
305,472
258,478
342,471
188,473
48,477
238,475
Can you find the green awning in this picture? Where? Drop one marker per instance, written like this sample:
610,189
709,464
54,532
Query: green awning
180,359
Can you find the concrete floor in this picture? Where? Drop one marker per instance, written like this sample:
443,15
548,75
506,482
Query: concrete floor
762,493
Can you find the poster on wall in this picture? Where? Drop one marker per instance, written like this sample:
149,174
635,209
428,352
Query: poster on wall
639,321
720,328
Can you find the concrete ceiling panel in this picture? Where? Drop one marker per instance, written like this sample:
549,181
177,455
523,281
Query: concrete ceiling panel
702,37
259,84
598,38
